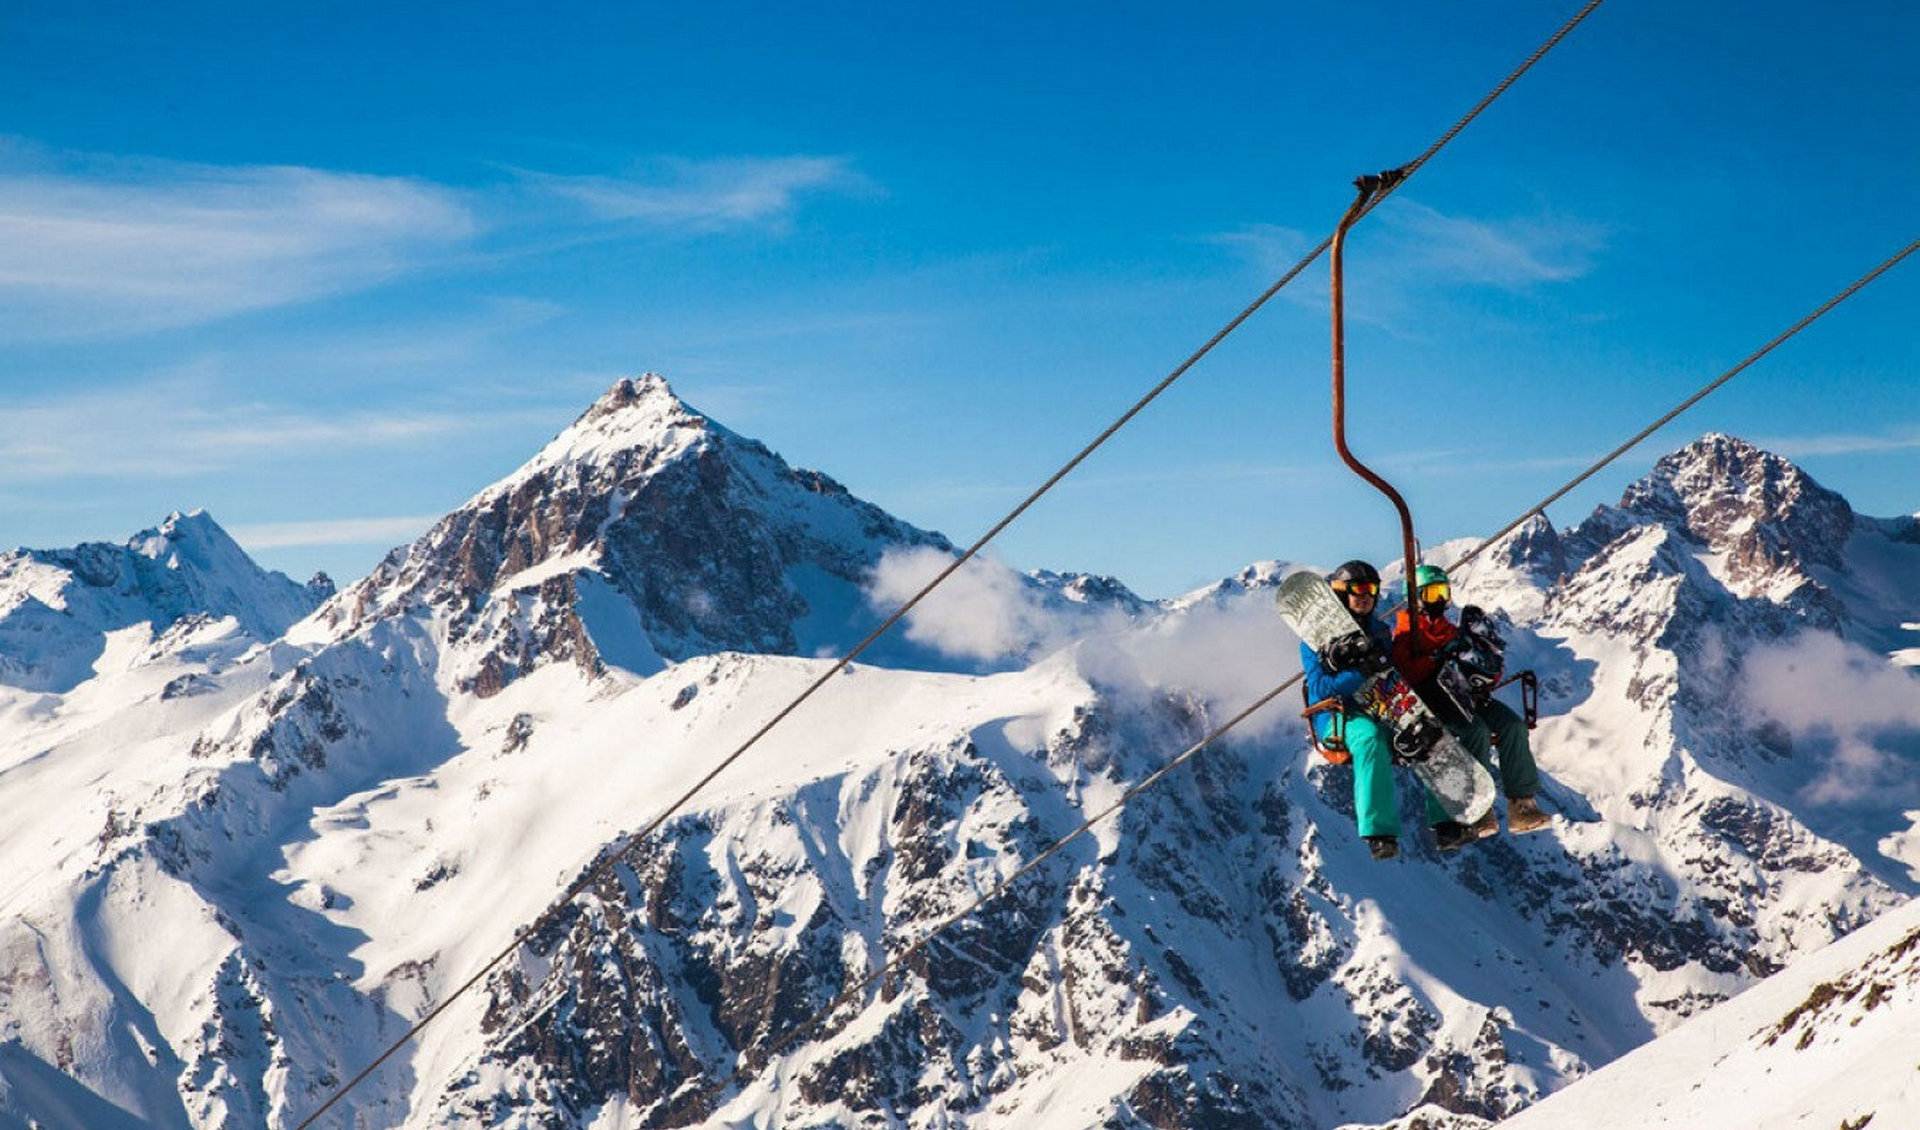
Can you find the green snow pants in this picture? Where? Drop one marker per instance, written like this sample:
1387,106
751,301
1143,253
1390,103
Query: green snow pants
1495,727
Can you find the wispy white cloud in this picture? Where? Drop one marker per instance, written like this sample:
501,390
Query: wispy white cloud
337,531
1509,254
706,196
1862,443
1270,248
94,246
983,611
100,248
1224,653
1415,251
182,425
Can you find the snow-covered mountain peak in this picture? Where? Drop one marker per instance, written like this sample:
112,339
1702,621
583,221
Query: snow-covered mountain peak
631,398
1761,526
1256,577
640,420
333,832
57,606
1743,500
1533,548
321,587
644,532
191,540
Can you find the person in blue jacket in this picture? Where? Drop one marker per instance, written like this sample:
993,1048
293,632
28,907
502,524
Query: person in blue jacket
1340,673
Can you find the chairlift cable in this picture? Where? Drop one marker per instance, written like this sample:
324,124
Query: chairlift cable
593,871
1003,885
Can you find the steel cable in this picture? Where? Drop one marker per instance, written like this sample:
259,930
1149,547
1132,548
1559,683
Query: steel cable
973,550
1003,885
1690,401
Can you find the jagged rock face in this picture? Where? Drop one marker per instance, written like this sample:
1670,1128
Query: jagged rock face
1223,954
1712,554
1750,503
321,587
1534,547
519,630
696,958
714,541
1189,952
1672,581
1768,520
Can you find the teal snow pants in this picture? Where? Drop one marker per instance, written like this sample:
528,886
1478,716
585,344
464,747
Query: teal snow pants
1376,806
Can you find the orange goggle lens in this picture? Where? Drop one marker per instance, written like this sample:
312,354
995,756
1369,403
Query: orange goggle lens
1360,588
1434,593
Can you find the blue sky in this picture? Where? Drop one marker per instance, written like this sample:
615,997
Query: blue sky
328,270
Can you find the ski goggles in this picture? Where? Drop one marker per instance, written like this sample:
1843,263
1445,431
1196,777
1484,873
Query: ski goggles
1358,588
1436,593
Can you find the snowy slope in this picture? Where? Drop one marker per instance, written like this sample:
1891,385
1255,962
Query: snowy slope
1758,614
1832,1041
58,607
1675,881
333,830
647,533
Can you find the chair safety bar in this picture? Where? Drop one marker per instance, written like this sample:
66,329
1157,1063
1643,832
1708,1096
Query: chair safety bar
1529,695
1334,747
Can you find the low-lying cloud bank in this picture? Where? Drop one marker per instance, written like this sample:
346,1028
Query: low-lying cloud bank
1859,710
1226,653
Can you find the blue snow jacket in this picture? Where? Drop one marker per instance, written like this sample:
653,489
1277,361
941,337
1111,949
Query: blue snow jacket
1324,684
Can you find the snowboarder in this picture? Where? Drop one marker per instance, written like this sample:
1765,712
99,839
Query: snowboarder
1421,647
1339,673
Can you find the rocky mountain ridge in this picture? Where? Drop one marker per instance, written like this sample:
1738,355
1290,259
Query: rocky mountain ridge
647,533
58,606
337,827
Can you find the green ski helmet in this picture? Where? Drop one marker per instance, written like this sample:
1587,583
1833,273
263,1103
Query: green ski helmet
1432,587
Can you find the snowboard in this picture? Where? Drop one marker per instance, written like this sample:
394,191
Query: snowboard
1461,785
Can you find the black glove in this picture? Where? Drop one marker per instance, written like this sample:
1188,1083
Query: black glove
1481,629
1351,652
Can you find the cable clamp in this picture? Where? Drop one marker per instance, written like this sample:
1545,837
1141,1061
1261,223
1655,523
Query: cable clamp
1373,184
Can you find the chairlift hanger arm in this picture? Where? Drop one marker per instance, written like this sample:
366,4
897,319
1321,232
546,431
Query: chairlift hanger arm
1370,188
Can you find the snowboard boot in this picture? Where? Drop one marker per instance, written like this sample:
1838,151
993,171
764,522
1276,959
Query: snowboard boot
1451,835
1383,847
1486,827
1524,815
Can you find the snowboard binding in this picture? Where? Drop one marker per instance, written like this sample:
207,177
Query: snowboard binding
1415,743
1481,654
1414,732
1474,666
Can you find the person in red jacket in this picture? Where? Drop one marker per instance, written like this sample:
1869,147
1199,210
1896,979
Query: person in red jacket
1418,652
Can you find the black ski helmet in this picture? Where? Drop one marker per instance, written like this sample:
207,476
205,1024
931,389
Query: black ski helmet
1355,570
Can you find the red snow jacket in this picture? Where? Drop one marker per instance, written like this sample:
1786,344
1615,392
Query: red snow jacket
1415,652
